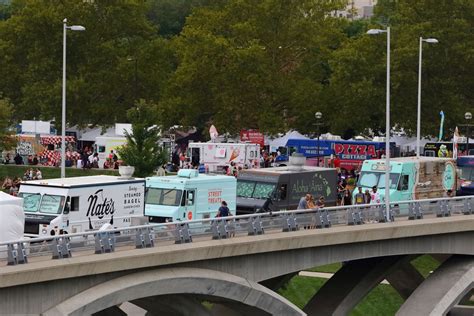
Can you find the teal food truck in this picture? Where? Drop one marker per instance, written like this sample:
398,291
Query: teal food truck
411,178
187,196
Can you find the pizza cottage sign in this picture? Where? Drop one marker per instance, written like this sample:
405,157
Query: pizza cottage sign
355,152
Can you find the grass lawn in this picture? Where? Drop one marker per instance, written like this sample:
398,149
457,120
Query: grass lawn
14,171
382,300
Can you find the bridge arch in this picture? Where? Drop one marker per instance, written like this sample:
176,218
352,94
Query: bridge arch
200,282
443,289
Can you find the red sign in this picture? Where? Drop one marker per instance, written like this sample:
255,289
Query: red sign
252,136
355,152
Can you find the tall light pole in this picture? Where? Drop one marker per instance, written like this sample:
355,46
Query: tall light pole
318,116
63,124
468,117
418,119
387,122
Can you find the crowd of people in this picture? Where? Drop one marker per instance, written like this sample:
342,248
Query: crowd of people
90,159
11,185
32,174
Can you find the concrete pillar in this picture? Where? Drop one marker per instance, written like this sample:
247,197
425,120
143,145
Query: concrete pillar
443,289
349,285
460,310
405,279
275,284
111,311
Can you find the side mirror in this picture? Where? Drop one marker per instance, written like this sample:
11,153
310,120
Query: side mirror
67,208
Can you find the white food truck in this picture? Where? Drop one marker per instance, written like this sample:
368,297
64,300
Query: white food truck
188,196
217,155
104,144
72,205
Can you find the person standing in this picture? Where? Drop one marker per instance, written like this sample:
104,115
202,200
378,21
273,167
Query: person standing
303,204
223,210
347,198
38,175
311,203
367,197
359,197
374,196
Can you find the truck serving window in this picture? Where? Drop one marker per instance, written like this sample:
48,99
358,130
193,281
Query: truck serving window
256,190
31,201
168,197
245,188
52,204
263,190
467,173
369,179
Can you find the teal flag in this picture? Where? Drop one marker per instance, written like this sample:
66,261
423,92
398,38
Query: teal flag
440,138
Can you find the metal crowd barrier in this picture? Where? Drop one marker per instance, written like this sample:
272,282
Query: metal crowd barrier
151,235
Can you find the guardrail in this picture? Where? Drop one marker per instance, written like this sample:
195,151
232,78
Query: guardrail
152,235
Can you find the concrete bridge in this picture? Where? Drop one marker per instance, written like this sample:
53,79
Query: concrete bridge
239,275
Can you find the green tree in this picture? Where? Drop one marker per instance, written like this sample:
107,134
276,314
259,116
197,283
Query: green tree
252,64
169,16
142,150
100,79
357,86
6,140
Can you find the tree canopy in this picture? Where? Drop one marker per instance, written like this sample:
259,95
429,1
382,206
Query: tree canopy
266,64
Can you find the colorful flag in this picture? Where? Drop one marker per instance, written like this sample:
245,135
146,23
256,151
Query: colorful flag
440,138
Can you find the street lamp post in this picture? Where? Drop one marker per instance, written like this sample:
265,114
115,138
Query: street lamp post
468,117
418,119
63,124
387,123
318,116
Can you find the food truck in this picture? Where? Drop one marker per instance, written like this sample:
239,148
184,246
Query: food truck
411,178
285,186
215,156
188,195
351,153
466,175
72,205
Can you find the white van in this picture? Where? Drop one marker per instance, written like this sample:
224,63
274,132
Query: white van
215,156
72,205
105,144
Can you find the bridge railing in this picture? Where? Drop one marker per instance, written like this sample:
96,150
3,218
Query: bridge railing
155,235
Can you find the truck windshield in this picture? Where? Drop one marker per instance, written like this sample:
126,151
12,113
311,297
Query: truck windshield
369,179
31,201
52,204
256,190
467,173
168,197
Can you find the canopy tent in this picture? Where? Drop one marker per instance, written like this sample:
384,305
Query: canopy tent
281,141
90,135
12,218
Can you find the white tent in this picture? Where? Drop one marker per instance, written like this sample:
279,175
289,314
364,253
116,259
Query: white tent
12,218
281,141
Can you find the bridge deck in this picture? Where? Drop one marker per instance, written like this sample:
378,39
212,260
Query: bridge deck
42,268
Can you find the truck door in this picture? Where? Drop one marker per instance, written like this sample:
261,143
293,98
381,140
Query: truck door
188,205
281,197
404,187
